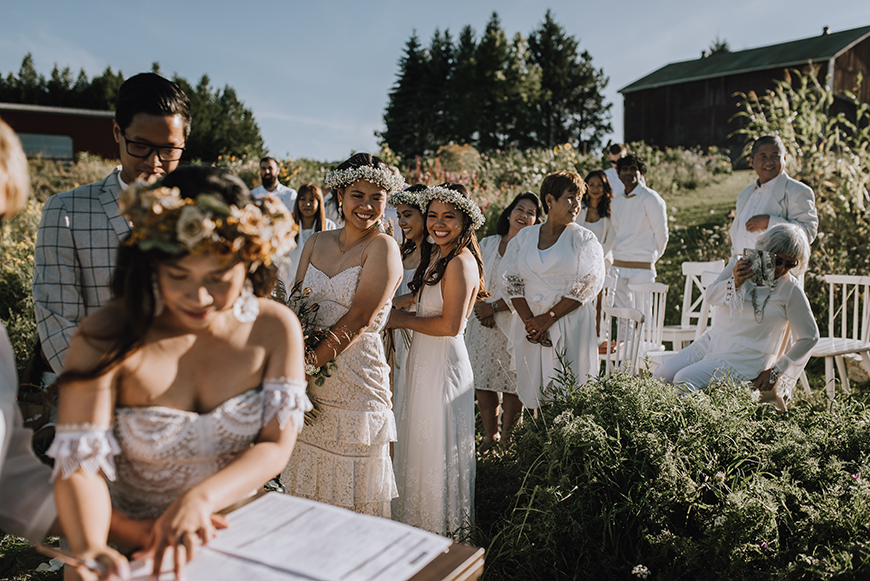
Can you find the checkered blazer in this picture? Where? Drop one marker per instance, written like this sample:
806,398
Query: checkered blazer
76,248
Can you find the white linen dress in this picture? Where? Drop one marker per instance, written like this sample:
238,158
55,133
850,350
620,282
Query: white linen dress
574,269
434,455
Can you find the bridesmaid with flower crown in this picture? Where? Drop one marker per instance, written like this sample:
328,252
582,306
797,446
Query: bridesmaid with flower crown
343,458
434,456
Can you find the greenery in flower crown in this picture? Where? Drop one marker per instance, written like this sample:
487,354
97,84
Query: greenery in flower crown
261,232
449,196
407,198
381,177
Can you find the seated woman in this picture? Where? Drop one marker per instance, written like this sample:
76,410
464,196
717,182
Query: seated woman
186,391
744,342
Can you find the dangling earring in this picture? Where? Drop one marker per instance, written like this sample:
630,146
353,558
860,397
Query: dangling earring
158,299
429,239
247,307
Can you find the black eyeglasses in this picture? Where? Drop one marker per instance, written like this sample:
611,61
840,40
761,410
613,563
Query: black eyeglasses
788,264
143,150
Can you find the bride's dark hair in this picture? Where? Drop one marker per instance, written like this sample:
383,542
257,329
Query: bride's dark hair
133,279
467,239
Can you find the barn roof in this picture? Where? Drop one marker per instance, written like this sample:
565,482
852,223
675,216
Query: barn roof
820,48
56,110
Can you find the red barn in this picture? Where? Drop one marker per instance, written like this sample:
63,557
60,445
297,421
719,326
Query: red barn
61,132
690,103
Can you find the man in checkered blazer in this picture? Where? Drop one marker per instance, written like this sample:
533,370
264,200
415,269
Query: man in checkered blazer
81,229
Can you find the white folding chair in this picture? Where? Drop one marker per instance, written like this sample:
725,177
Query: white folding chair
848,328
629,331
653,297
608,296
693,295
706,312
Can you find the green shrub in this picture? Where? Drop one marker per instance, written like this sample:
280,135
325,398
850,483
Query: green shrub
17,243
622,473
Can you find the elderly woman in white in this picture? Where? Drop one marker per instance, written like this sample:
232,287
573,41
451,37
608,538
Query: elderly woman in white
552,273
745,342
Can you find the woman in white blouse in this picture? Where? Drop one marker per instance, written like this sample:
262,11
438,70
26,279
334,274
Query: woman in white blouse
744,343
487,333
552,273
595,212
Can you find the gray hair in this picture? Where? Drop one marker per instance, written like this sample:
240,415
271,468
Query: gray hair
789,240
764,140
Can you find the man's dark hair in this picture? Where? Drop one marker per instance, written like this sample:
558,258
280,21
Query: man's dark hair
151,94
631,159
269,158
617,148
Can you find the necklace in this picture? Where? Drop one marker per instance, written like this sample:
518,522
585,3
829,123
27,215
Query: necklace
355,243
759,314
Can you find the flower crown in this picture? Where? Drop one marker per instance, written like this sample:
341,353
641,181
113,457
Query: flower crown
407,198
449,196
261,232
380,176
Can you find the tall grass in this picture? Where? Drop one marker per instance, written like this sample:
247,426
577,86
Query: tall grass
622,474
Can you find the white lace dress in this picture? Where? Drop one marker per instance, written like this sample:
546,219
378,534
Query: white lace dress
573,268
434,456
343,458
488,348
151,455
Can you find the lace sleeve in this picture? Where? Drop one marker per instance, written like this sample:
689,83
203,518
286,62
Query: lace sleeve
735,297
512,284
285,398
588,280
86,446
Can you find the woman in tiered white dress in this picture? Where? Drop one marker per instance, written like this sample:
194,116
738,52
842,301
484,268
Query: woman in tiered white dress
552,273
434,456
594,214
486,336
309,212
343,458
413,226
190,380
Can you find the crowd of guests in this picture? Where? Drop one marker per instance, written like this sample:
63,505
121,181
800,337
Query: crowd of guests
183,387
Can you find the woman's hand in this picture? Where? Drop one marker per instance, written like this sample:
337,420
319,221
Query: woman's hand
483,310
742,272
762,382
115,562
397,319
536,327
184,525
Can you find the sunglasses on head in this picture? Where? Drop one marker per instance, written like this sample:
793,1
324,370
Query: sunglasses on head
788,264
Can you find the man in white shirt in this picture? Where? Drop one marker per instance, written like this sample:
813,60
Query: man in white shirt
271,185
774,198
640,220
616,152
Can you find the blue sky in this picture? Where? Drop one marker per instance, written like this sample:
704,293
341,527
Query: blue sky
317,74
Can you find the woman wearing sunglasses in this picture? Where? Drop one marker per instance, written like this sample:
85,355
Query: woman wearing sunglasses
750,329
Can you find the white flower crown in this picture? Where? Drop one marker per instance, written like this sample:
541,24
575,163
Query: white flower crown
407,198
381,177
453,197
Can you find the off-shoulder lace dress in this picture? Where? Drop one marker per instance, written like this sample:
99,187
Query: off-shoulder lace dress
343,458
151,455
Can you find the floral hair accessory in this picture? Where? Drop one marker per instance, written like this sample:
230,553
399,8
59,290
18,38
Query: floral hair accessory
261,232
381,177
407,198
449,196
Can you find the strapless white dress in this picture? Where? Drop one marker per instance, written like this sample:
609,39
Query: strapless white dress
343,458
